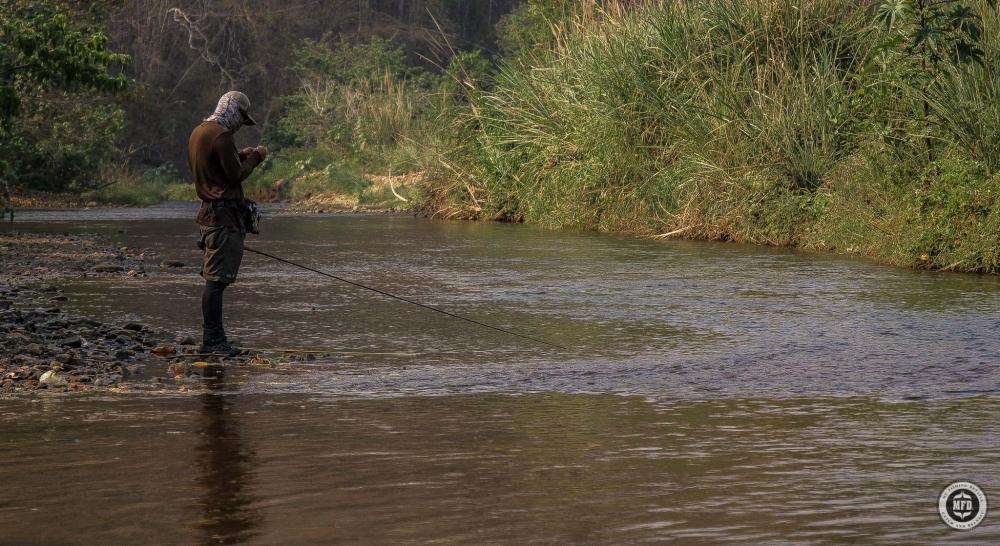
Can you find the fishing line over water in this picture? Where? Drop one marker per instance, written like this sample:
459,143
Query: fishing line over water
400,298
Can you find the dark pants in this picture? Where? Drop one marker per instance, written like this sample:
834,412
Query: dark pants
223,253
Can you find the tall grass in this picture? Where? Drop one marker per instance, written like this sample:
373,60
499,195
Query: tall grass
785,122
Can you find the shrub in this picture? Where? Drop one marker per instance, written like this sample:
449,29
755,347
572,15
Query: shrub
956,214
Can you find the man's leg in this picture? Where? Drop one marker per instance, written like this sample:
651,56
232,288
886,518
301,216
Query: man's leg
211,312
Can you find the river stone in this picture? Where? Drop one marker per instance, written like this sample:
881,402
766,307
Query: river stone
58,298
33,349
18,338
72,341
134,326
171,263
107,267
123,354
52,378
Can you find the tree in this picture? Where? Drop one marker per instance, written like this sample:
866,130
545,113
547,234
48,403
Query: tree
42,54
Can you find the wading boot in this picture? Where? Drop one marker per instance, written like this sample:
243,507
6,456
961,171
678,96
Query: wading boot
214,342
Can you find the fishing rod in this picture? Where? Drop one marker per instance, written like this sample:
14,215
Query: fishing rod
400,298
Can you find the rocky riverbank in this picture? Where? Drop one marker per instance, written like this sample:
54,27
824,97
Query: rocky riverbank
45,348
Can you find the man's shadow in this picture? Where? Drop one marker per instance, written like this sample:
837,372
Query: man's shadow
225,469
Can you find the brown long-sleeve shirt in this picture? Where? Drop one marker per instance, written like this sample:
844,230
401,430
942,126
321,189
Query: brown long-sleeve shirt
218,170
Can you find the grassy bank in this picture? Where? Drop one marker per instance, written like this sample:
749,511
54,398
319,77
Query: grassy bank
306,178
815,124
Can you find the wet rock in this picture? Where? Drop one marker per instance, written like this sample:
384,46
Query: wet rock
58,298
134,326
22,360
48,288
171,263
72,341
124,354
108,267
33,349
186,340
164,350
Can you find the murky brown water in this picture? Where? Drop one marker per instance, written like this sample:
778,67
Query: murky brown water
711,393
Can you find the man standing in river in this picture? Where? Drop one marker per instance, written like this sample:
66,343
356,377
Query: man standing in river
218,170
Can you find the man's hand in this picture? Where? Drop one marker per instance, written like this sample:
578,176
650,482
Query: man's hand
261,151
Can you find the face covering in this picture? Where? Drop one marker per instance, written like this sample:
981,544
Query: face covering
229,111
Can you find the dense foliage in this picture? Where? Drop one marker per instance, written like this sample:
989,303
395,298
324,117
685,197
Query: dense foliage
862,127
53,133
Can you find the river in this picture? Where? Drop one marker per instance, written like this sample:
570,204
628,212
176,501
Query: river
709,393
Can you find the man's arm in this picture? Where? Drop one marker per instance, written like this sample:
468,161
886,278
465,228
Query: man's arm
236,171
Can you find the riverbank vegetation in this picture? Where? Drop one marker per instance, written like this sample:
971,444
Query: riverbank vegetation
866,128
345,92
